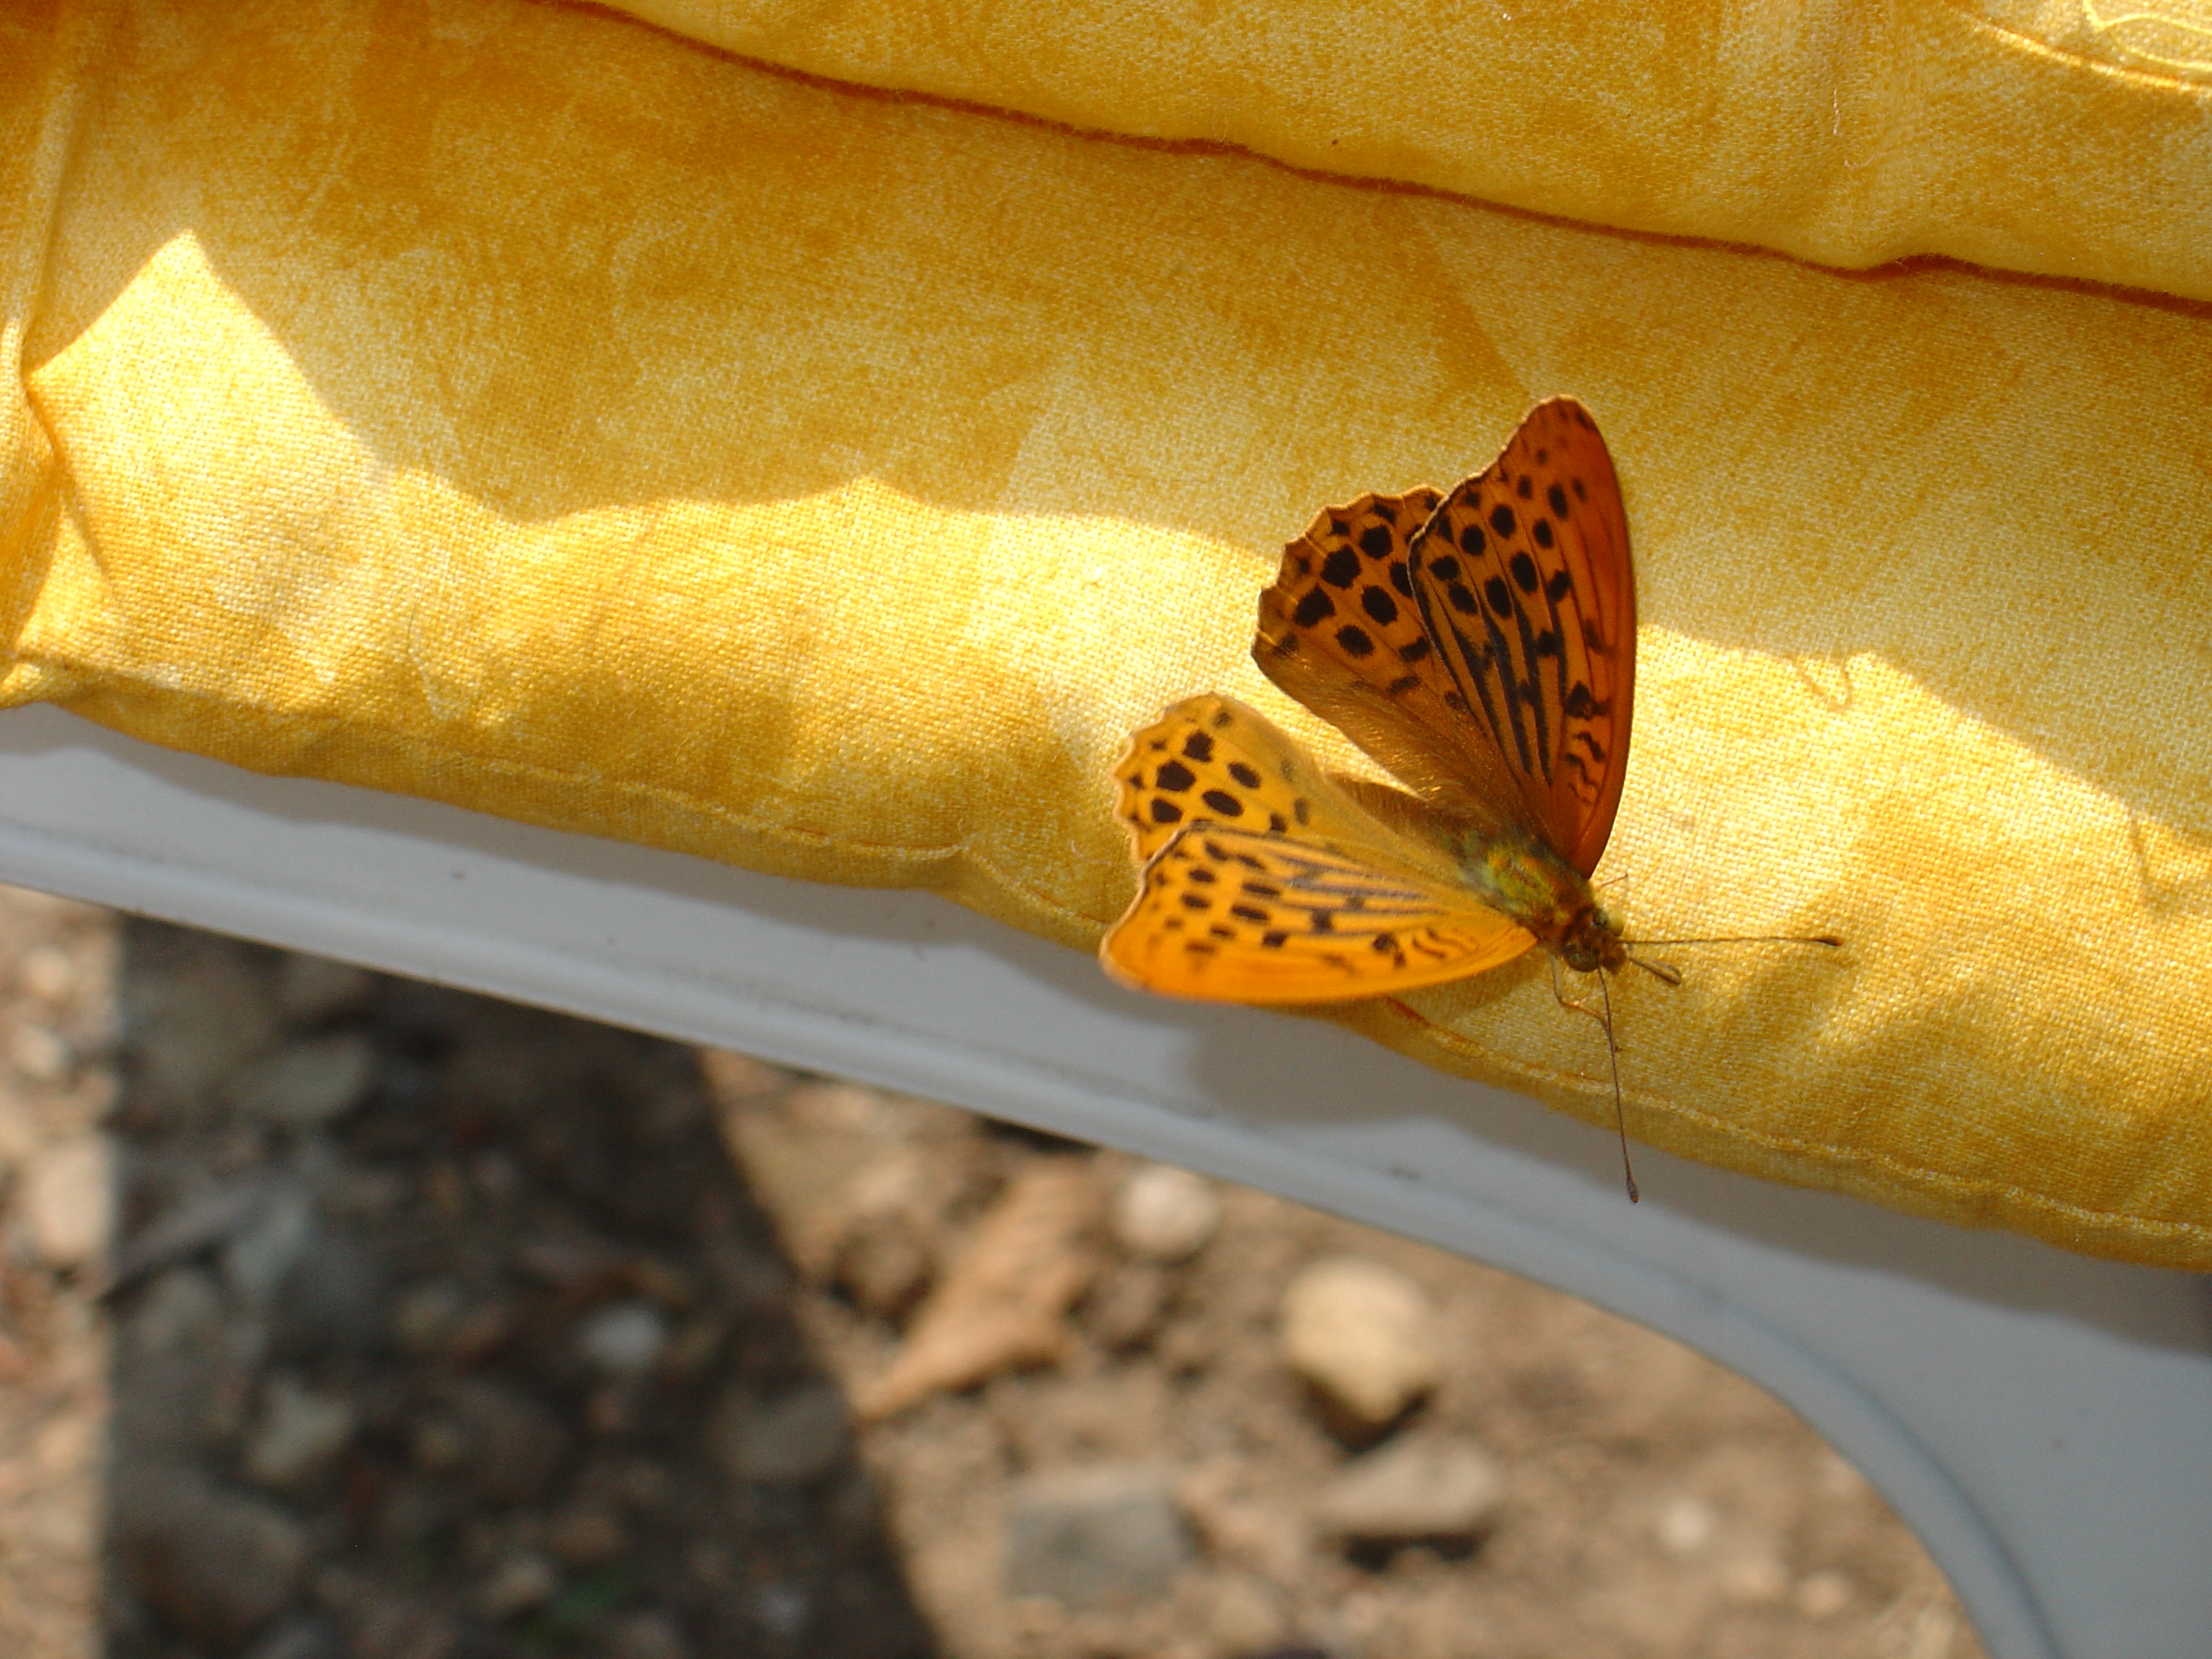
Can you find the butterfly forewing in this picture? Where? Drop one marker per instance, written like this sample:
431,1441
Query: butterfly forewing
1238,916
1522,580
1340,631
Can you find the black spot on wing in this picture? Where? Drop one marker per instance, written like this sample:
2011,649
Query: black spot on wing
1378,603
1524,573
1221,801
1376,542
1557,498
1314,606
1340,568
1198,747
1174,775
1502,520
1354,642
1244,775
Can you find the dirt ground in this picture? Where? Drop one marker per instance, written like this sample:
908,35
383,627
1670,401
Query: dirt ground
345,1317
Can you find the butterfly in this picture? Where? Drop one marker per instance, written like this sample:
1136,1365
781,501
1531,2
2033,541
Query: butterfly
1480,646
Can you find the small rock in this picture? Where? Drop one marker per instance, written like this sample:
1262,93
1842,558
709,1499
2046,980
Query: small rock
1004,1303
195,1009
299,1435
181,1311
625,1339
333,1298
732,1077
69,1200
215,1565
1754,1580
647,1635
1364,1334
1164,1214
260,1254
512,1446
518,1584
189,1226
40,1052
300,1637
312,989
308,1084
1685,1525
798,1437
389,1626
47,973
1095,1537
587,1535
426,1314
782,1610
1822,1595
1424,1486
1244,1615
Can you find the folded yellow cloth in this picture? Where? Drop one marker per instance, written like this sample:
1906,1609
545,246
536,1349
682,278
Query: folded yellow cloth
2069,139
519,405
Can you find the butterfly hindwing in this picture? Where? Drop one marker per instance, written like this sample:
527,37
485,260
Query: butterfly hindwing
1237,915
1212,757
1522,577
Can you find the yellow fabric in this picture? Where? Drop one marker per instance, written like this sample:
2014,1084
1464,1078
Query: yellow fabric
2066,137
519,405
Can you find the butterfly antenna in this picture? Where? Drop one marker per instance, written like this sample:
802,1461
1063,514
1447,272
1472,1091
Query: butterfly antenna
1828,940
1620,1112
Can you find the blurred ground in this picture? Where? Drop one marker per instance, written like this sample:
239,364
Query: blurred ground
429,1326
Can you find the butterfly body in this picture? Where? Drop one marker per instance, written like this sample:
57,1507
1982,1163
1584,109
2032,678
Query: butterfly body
1522,878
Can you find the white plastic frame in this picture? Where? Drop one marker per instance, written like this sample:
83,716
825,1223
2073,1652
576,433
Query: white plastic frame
2043,1420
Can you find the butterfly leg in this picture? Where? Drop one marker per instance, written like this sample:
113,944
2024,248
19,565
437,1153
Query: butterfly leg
1560,996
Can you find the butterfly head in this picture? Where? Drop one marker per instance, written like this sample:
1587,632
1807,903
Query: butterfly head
1591,940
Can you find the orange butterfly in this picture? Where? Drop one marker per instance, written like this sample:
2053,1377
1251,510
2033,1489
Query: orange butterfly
1481,647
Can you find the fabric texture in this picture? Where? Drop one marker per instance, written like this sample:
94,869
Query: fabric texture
524,406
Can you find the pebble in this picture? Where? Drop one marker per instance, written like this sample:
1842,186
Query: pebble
1422,1487
1244,1615
1685,1524
194,1019
215,1564
1364,1334
625,1339
799,1436
782,1610
308,1084
300,1637
312,989
181,1311
69,1200
333,1298
1095,1537
299,1435
647,1635
511,1448
517,1584
262,1252
586,1535
191,1225
1753,1580
1822,1595
1165,1214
